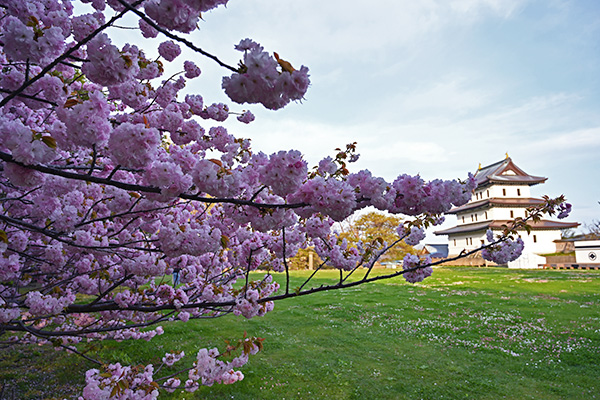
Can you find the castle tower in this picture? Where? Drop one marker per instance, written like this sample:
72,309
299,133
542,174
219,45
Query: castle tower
502,194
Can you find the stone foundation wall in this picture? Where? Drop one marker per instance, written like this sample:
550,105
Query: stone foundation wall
566,259
469,261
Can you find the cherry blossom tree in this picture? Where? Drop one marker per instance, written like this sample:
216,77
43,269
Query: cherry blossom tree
113,176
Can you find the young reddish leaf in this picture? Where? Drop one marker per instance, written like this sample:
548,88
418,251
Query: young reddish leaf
286,66
128,61
71,102
215,161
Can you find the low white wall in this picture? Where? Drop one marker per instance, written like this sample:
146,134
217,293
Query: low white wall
527,261
587,252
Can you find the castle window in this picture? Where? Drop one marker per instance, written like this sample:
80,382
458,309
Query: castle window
503,192
486,217
454,242
472,218
488,193
534,239
463,219
518,192
512,214
475,217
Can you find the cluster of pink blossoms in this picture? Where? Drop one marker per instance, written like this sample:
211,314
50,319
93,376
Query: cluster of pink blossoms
247,303
284,172
171,358
208,369
101,385
413,236
416,273
264,79
564,209
179,15
339,255
39,43
504,251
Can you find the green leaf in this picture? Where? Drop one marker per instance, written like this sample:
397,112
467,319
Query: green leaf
224,241
49,141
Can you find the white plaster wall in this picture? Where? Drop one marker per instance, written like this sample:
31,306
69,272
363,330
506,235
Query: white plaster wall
502,213
462,244
587,252
527,261
511,191
498,213
471,217
543,244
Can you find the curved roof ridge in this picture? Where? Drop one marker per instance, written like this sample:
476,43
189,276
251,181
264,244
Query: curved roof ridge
505,171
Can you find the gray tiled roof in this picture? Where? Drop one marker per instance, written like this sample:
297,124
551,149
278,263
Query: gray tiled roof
493,173
486,204
497,224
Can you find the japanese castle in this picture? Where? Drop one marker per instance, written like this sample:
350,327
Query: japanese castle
502,194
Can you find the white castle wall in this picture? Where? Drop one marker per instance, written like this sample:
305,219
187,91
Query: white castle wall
510,191
536,242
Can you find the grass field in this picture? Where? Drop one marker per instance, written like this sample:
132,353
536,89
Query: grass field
481,333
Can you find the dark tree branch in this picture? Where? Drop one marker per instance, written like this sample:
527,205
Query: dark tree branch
145,189
175,37
30,97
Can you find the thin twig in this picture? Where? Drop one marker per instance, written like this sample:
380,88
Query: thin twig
94,155
287,270
175,37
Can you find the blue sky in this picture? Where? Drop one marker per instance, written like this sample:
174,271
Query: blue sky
431,86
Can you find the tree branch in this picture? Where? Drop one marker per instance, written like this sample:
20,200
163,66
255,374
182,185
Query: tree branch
175,37
145,189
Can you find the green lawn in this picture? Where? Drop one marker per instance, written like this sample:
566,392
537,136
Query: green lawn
482,333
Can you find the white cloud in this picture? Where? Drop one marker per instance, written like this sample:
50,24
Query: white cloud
577,140
475,8
348,28
451,95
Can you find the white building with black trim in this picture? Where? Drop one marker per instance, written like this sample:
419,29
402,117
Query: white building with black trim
503,193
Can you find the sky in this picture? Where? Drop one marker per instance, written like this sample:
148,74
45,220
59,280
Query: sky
429,87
